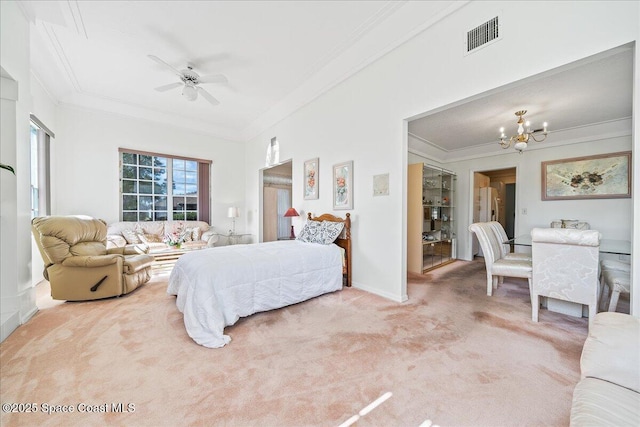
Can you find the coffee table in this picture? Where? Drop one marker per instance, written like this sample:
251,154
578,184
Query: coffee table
165,259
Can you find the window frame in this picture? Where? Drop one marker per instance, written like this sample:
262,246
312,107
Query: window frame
40,167
194,170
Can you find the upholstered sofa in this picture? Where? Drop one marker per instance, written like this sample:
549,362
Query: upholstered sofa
150,236
608,393
78,264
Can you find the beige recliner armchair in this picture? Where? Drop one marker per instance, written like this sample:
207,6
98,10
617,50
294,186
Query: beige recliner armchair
77,263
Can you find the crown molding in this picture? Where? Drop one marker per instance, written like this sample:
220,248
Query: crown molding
397,30
394,23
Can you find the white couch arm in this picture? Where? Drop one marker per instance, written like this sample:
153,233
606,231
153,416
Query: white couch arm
612,350
211,237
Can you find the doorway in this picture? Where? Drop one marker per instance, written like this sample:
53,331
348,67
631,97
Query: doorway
276,199
497,202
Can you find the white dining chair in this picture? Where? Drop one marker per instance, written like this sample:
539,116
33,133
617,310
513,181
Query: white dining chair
615,279
614,283
506,248
495,264
565,267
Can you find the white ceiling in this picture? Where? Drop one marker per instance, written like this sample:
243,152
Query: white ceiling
588,92
278,56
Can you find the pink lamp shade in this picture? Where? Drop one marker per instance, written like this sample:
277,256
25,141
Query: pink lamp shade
291,212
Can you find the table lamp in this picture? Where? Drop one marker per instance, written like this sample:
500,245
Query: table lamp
233,213
289,213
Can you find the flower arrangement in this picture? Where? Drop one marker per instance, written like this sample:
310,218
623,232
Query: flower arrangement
175,238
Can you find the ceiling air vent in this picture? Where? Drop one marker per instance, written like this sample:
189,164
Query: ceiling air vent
483,34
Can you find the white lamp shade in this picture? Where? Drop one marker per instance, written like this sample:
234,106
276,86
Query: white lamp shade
233,212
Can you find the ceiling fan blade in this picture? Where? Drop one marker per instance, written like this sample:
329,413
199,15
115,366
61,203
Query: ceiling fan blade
213,78
164,64
169,86
207,96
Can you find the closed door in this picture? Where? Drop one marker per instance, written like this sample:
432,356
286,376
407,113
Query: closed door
270,214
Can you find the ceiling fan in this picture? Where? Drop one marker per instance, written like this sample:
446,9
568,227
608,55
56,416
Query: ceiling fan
190,81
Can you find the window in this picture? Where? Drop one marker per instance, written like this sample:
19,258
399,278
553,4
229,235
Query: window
273,152
284,203
157,187
40,137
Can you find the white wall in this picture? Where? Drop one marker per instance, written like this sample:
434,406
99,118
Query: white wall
611,217
17,302
44,108
85,163
361,119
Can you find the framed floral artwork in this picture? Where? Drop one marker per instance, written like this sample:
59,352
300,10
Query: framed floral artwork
604,176
311,178
343,185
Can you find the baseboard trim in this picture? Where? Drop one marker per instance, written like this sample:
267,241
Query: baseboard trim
29,315
387,295
9,323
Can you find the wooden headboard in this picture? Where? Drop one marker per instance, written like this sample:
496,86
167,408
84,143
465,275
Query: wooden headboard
343,240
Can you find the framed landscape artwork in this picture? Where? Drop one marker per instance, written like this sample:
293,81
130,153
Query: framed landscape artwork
311,177
604,176
343,185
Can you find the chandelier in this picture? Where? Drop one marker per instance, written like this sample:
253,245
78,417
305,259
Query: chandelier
522,138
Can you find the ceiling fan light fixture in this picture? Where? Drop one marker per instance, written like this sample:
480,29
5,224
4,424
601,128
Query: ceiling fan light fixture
189,92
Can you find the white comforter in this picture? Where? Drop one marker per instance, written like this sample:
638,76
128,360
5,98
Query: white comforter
217,286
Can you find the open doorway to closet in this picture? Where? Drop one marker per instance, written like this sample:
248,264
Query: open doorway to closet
494,199
276,199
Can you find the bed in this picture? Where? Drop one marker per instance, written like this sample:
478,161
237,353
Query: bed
214,287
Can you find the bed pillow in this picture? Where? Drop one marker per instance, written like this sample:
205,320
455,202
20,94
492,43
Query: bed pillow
311,232
330,231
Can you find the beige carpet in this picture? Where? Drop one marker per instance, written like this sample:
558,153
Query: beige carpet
450,354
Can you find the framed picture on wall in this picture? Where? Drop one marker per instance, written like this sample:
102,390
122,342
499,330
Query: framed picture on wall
381,185
311,179
604,176
343,185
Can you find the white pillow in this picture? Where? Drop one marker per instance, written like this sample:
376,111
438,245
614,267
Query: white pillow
191,234
330,231
311,232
